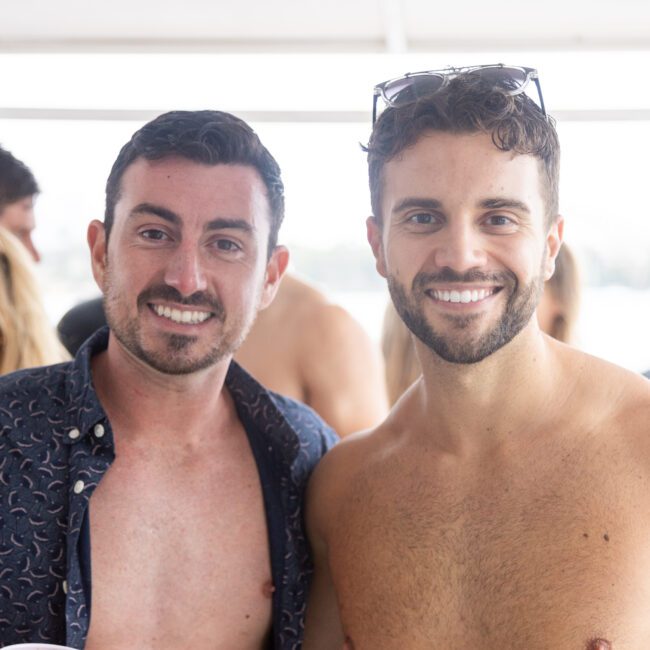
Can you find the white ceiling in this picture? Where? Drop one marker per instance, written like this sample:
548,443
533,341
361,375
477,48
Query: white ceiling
322,25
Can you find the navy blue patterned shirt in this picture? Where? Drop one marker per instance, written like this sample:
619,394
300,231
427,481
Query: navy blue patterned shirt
56,444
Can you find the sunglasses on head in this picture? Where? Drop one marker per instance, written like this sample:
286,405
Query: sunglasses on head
415,85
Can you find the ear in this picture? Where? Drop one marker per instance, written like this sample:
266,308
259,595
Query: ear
374,234
554,239
96,237
275,268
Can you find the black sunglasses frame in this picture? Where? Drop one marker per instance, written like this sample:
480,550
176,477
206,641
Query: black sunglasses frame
447,74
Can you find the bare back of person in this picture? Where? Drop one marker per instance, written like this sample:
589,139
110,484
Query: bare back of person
280,366
179,541
307,348
540,542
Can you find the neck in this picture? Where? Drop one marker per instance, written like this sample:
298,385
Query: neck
142,400
478,406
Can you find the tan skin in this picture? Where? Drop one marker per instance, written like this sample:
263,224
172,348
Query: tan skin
504,503
178,530
319,355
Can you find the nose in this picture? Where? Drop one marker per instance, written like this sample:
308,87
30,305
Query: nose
29,245
185,273
460,248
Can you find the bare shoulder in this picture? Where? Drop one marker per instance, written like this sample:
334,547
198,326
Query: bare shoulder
618,398
340,367
310,316
336,473
323,317
622,390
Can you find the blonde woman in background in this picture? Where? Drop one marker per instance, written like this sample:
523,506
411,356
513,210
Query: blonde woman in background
26,338
557,314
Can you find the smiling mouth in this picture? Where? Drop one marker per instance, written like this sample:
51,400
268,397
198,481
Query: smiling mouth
184,316
464,296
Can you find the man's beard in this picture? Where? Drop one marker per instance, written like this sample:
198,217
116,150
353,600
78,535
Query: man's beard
176,356
520,307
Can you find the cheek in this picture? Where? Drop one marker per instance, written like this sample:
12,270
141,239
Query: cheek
404,256
524,257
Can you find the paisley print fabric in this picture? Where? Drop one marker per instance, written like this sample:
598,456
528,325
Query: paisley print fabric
56,444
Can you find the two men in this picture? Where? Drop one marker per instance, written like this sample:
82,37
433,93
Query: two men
504,502
152,474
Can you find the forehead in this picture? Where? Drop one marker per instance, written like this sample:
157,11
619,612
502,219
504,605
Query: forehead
465,167
195,191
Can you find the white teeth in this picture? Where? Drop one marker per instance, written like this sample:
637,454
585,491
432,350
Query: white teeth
464,296
178,316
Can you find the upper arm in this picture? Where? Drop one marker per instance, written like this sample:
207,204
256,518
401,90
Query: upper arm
342,371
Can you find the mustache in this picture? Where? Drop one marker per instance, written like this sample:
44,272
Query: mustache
197,299
422,280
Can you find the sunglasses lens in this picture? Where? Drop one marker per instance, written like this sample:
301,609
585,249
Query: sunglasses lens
412,87
513,79
409,89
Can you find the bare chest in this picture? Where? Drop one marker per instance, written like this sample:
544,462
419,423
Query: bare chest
180,553
534,560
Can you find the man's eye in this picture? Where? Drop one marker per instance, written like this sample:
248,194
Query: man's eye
226,245
422,218
154,234
498,220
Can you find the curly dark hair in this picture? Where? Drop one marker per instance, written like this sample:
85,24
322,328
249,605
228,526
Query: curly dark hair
16,180
208,137
468,104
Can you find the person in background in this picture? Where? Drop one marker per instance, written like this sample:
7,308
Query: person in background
401,365
311,350
26,337
557,314
559,306
18,190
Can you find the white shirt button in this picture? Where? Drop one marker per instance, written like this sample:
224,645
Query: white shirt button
65,586
99,430
73,434
79,487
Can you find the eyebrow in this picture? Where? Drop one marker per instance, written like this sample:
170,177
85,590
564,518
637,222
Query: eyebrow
220,223
415,202
434,204
158,211
500,204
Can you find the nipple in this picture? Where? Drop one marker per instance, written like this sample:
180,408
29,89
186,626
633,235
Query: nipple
599,644
268,588
349,644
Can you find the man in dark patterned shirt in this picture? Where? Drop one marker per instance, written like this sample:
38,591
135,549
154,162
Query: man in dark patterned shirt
151,491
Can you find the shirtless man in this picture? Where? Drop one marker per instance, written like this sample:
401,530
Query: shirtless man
505,502
181,474
312,350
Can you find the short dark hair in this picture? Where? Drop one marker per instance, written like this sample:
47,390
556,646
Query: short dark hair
208,137
16,180
468,104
